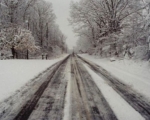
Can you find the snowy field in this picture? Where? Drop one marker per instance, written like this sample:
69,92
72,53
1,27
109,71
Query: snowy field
134,73
16,73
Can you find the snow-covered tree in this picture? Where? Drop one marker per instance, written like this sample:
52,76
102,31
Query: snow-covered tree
35,16
17,38
108,22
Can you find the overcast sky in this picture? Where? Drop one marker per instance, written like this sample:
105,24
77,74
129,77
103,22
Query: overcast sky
62,12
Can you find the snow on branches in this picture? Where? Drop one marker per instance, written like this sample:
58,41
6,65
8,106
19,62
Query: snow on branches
17,38
111,23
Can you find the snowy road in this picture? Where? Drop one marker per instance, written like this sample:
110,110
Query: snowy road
78,89
136,100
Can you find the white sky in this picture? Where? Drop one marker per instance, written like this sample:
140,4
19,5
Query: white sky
62,12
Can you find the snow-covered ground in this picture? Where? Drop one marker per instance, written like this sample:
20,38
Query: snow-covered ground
16,73
115,101
134,73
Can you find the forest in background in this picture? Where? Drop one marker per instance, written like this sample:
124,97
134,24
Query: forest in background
109,28
28,30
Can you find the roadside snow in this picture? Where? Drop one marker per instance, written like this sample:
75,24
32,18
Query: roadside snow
16,73
127,113
135,74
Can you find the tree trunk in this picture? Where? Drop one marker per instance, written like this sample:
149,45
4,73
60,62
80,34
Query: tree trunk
16,55
27,54
13,52
149,51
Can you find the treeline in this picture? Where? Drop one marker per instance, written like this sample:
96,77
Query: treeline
28,29
112,27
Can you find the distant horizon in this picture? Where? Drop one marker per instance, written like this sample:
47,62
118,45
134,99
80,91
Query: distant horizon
62,12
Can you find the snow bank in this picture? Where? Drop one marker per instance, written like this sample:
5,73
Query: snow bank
16,73
134,73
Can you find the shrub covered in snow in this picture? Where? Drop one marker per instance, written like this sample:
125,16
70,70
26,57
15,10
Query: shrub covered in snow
17,38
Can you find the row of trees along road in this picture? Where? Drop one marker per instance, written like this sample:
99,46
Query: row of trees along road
27,27
112,27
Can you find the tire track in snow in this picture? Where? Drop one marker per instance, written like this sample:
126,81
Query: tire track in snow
51,104
92,103
27,109
136,100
